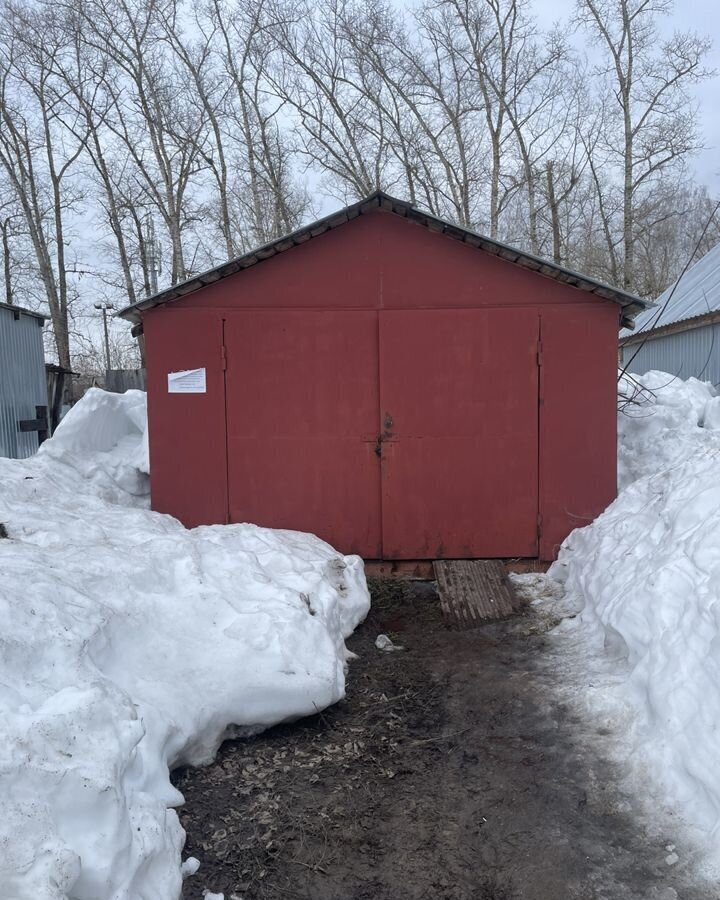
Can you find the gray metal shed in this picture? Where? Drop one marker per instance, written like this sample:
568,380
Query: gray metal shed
23,385
682,337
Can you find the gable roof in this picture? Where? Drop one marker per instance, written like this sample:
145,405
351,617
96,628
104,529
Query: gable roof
696,293
631,305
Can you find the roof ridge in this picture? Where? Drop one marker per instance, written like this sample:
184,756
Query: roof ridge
630,303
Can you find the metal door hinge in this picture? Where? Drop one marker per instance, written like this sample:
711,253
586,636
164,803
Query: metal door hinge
539,353
539,524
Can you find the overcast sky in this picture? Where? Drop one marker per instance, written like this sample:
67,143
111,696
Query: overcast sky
703,17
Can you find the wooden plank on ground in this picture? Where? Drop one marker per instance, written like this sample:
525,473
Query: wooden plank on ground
473,592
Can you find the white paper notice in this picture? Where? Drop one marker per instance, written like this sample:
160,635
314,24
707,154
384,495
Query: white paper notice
191,381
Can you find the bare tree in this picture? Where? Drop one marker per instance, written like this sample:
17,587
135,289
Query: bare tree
540,106
90,357
276,204
210,123
151,114
651,122
670,222
84,73
11,232
421,113
564,190
313,77
38,152
209,89
485,38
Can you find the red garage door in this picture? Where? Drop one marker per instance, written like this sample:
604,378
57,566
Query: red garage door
453,395
459,404
302,413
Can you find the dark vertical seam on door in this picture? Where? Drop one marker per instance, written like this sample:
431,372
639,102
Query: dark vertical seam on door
381,460
223,352
539,363
380,305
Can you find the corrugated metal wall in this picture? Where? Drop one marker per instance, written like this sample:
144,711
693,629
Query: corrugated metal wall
22,380
685,353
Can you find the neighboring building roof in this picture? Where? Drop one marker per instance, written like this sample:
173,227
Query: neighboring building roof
697,293
19,310
631,304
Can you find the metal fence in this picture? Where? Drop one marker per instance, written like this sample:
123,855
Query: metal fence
695,352
22,379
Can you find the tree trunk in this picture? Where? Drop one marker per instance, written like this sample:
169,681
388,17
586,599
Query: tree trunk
6,261
554,214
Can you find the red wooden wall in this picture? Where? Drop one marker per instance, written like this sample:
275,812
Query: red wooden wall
376,262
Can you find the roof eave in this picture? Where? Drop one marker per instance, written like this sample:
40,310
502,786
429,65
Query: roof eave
691,323
630,304
20,310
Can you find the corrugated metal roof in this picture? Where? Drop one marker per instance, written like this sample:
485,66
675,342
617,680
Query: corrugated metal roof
20,310
697,293
631,304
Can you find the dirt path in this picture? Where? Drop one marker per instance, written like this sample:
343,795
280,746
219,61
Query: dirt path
449,773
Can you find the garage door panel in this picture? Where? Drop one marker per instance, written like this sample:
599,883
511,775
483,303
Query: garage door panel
459,401
447,372
187,431
303,373
452,512
330,490
302,414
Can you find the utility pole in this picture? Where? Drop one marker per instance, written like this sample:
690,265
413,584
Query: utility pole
105,307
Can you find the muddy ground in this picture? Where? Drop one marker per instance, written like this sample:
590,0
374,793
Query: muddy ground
448,773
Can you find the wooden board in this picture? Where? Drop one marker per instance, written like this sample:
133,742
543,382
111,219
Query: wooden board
473,592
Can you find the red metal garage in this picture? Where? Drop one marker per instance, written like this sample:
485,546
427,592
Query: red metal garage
401,387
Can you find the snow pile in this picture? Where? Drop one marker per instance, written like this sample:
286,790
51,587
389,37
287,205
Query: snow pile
130,645
105,439
646,577
662,421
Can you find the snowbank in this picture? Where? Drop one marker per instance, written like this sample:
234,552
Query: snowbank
130,645
665,421
104,438
646,577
